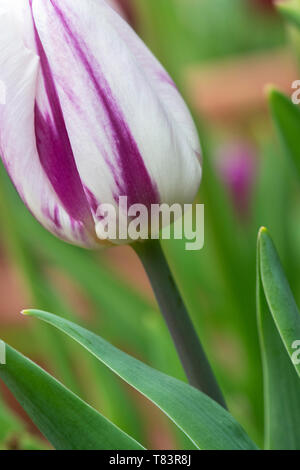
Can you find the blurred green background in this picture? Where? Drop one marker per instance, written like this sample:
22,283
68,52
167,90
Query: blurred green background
221,53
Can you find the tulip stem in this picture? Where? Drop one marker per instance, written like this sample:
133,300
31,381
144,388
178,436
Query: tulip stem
186,340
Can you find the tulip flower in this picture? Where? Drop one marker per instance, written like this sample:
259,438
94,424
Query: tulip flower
90,116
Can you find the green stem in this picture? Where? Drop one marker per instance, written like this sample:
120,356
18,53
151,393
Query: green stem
187,343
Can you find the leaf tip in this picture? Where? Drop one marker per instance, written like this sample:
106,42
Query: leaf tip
26,312
263,233
262,230
271,92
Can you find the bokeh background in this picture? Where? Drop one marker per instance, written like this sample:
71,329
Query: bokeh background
222,54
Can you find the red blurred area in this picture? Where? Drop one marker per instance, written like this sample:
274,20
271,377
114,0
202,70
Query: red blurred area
129,11
264,4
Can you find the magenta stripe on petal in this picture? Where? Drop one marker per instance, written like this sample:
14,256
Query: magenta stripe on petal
52,216
131,176
54,148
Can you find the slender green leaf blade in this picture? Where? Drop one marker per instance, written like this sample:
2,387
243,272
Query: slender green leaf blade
279,323
205,422
278,294
66,421
286,116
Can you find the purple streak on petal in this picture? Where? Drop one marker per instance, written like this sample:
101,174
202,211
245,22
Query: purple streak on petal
135,181
52,216
94,204
164,77
78,230
92,200
54,148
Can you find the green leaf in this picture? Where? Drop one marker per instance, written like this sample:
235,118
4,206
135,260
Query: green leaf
279,327
286,116
66,421
205,422
290,10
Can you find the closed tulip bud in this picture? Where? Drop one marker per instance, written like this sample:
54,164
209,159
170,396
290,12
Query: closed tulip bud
90,115
117,6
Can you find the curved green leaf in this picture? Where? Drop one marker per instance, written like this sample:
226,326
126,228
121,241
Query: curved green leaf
205,422
66,421
286,116
279,327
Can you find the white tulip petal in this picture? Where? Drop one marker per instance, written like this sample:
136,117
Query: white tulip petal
130,130
19,69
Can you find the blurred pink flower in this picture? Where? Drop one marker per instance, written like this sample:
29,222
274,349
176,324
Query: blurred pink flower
237,167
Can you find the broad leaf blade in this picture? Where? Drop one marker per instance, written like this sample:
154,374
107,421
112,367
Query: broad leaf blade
206,423
286,116
279,325
66,421
278,294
